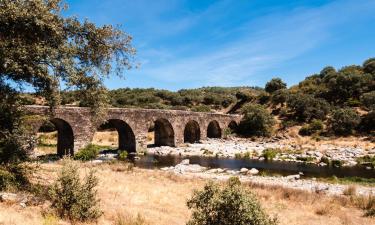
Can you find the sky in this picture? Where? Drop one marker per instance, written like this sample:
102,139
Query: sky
194,43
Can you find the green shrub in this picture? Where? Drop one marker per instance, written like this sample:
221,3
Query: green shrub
368,100
314,127
274,85
201,108
89,152
14,177
344,121
270,153
368,122
256,121
230,205
122,155
72,198
307,107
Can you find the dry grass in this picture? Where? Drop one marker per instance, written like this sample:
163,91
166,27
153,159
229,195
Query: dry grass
106,138
139,196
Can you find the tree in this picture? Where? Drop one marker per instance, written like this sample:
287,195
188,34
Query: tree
41,48
274,85
256,121
231,205
368,122
307,107
344,121
280,97
369,66
368,100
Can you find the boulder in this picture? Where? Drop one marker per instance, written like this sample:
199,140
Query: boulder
185,162
293,177
244,170
8,197
253,171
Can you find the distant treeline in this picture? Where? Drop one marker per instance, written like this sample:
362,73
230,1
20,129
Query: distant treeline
346,95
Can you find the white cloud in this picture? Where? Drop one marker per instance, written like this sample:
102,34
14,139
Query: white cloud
267,42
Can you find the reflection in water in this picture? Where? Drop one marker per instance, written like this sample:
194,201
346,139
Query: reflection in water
283,168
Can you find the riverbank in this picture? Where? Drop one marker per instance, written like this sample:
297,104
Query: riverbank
295,181
331,152
159,197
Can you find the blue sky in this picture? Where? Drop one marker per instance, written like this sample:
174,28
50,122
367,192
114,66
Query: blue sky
195,43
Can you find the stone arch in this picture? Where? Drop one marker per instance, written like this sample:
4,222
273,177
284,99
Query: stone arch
233,126
65,137
164,133
126,137
192,132
213,130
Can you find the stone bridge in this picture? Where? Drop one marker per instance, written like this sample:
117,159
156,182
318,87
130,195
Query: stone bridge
171,127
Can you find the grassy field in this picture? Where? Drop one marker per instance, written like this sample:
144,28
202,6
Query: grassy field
158,197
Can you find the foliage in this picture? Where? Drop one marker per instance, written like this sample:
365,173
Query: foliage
270,153
122,155
344,121
230,205
368,100
306,107
280,97
15,142
368,122
274,85
314,127
256,121
87,153
41,48
201,108
73,198
14,177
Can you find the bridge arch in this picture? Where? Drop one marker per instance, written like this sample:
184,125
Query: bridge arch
164,133
214,130
233,126
192,132
126,137
65,136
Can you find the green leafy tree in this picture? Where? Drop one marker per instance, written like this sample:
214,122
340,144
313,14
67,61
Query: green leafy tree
280,97
306,107
231,205
274,85
344,121
368,100
369,66
42,48
368,122
256,121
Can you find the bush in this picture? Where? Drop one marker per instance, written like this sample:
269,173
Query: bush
122,155
274,85
201,108
314,127
270,153
307,107
368,100
72,198
230,205
256,121
368,122
14,177
344,121
87,153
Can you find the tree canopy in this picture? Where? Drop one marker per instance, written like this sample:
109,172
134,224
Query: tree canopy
41,48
